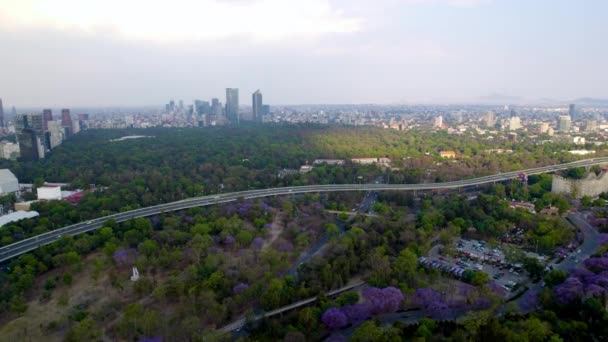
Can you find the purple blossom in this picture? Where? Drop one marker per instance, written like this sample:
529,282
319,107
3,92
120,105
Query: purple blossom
336,338
466,289
356,313
188,219
257,243
603,239
245,207
125,256
529,301
268,226
438,310
593,290
482,304
239,288
151,339
383,300
229,240
334,318
596,265
422,297
570,290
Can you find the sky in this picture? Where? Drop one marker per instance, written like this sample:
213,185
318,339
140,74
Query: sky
146,52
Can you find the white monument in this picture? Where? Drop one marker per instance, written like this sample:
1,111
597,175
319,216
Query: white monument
135,276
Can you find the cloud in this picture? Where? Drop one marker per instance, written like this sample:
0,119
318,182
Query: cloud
181,20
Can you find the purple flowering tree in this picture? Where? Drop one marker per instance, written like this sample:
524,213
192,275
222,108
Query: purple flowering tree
356,313
334,318
570,290
384,300
239,288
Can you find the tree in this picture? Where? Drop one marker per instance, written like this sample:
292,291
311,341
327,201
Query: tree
148,248
367,331
533,267
405,266
334,318
85,330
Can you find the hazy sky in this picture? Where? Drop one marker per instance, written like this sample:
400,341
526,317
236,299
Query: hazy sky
144,52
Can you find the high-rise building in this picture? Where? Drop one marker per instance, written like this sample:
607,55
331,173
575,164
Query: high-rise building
56,133
1,114
564,123
66,121
256,103
572,112
265,110
28,144
232,105
439,121
47,115
514,123
490,119
31,121
216,107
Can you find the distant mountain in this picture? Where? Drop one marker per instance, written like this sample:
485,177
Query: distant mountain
501,99
589,101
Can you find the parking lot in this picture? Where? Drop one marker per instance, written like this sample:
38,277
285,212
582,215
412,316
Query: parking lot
477,256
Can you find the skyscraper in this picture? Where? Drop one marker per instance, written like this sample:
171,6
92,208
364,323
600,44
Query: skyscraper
47,115
232,105
28,144
572,112
66,121
256,104
1,114
564,123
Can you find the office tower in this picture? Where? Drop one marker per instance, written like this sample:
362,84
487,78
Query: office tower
572,112
216,107
21,122
544,128
66,121
14,111
439,121
564,122
29,121
256,104
172,105
1,114
490,119
265,110
56,133
181,104
28,145
232,105
36,122
47,115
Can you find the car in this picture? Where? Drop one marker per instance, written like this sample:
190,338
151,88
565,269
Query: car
89,222
58,236
578,251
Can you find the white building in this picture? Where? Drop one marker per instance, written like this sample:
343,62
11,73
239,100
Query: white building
8,182
49,192
56,131
8,150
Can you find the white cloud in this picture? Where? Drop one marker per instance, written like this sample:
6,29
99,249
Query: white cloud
181,20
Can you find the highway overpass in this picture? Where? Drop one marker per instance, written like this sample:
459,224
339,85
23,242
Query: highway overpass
24,246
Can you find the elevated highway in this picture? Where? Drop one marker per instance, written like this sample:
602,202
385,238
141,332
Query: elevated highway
26,245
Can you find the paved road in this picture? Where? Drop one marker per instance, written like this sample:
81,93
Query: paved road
589,246
32,243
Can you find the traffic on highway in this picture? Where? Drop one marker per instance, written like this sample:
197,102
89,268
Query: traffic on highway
29,244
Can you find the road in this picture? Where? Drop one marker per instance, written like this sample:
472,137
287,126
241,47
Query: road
26,245
238,324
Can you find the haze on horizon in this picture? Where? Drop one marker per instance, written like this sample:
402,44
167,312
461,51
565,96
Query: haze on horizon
137,52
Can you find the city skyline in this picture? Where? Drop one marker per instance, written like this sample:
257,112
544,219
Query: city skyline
314,52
